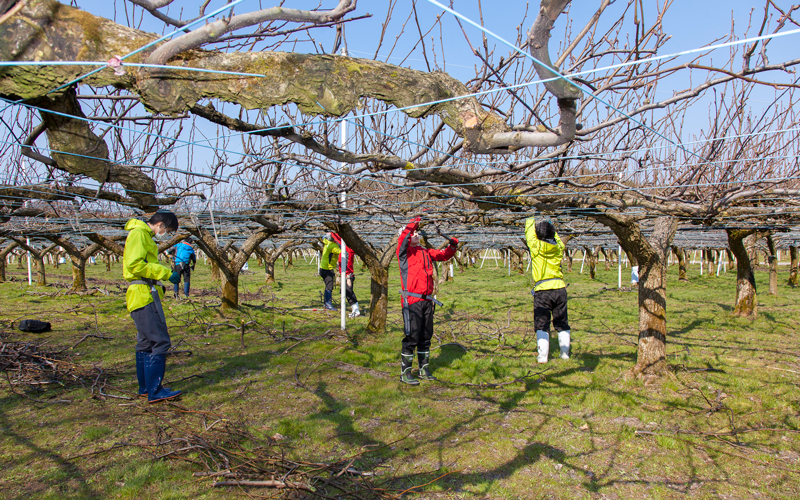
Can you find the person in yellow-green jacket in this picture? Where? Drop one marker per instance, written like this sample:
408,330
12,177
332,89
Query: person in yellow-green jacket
141,268
327,263
549,289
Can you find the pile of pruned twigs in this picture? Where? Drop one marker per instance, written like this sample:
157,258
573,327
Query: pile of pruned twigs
28,364
232,456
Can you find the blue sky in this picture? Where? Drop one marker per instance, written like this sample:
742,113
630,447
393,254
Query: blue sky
689,25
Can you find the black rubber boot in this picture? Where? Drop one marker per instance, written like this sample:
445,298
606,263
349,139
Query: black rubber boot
424,358
406,360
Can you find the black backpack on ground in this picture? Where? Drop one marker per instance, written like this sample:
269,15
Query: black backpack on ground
34,326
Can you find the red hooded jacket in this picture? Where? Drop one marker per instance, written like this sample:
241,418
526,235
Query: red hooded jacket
351,256
416,263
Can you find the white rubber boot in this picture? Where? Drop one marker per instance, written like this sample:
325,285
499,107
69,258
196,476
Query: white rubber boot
543,344
355,311
563,343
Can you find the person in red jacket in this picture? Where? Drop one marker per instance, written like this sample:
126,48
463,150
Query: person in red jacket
351,277
416,281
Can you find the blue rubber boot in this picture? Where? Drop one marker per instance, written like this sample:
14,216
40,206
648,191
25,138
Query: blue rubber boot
141,356
186,288
154,368
329,300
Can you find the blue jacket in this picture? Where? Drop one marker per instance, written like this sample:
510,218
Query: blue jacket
184,253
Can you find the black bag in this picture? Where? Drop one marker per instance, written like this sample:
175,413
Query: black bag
34,326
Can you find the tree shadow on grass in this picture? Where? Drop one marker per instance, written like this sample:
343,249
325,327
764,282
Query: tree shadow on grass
65,467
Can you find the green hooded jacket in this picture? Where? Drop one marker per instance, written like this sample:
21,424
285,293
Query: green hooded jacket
329,259
140,261
545,259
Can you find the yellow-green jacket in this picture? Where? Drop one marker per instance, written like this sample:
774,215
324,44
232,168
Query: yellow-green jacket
140,261
329,259
545,259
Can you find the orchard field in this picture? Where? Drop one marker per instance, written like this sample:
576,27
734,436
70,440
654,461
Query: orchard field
289,396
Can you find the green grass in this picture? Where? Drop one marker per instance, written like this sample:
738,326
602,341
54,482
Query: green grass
567,429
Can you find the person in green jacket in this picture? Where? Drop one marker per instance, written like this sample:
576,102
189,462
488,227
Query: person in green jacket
549,289
141,268
327,265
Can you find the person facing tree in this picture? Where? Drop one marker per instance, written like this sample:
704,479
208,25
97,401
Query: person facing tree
326,268
141,268
185,260
549,289
350,279
416,281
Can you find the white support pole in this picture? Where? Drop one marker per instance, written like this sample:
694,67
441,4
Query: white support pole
343,267
719,263
619,266
509,262
485,252
583,260
30,278
529,262
702,254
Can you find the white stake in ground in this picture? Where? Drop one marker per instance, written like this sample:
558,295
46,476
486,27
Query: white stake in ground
30,280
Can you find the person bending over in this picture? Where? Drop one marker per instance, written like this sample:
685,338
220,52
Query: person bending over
141,268
549,289
416,281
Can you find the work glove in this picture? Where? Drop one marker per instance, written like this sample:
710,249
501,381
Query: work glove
454,242
175,278
192,267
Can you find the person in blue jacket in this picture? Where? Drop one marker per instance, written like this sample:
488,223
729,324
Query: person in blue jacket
185,260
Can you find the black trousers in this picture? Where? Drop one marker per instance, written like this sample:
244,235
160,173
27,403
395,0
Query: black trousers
329,277
546,302
348,289
418,326
151,332
185,269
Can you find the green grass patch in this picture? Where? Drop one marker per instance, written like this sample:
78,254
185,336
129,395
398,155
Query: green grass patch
723,423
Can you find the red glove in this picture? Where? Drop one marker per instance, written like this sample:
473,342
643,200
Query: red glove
454,242
416,220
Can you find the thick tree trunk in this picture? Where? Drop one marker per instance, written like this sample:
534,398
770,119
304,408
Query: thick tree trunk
650,255
215,274
709,253
651,358
793,266
570,253
4,253
680,254
772,260
41,276
78,274
592,254
230,291
746,304
269,270
606,259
